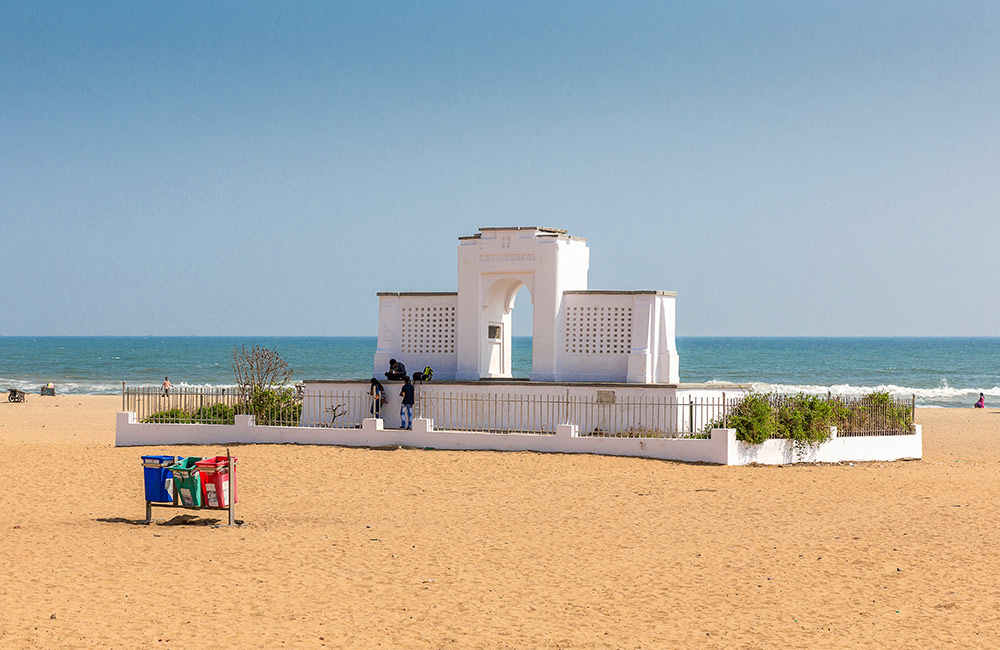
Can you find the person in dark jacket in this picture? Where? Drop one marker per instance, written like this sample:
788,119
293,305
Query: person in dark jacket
406,407
396,370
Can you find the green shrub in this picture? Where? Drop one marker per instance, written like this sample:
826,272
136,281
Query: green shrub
170,416
758,417
876,411
754,419
806,419
215,414
273,406
269,406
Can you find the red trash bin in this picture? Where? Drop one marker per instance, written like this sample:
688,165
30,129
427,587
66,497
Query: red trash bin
215,481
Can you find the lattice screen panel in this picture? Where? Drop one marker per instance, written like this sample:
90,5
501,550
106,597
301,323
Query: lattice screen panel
428,330
598,330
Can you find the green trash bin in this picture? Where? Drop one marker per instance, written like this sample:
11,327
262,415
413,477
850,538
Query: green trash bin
187,481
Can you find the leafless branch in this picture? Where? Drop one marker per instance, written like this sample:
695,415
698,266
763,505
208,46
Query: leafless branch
259,368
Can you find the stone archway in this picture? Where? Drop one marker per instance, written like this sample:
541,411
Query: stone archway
498,318
492,266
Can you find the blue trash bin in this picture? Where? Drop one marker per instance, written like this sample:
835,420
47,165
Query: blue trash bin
158,478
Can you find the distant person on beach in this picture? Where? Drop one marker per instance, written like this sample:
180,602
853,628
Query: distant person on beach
981,404
406,408
377,392
167,386
396,370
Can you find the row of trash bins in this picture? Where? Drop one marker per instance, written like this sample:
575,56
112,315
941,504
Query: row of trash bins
197,482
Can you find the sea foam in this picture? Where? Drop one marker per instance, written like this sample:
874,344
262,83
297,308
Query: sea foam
942,395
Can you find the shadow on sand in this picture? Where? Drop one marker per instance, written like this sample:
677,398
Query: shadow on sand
179,520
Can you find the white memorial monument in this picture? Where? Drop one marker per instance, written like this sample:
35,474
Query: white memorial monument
613,353
577,335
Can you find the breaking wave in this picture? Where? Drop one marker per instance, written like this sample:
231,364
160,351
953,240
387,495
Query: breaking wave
93,387
943,395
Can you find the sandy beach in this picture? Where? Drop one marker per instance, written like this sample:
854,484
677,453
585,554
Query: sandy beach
358,548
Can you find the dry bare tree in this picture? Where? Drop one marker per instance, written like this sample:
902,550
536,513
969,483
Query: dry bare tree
259,368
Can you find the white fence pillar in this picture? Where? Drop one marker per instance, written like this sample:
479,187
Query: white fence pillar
567,431
724,448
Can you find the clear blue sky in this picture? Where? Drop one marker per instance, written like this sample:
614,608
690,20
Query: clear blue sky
237,168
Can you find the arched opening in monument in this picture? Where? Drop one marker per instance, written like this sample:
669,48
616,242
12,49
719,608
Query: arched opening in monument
506,349
521,324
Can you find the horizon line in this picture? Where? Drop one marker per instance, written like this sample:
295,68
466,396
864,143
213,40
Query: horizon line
374,336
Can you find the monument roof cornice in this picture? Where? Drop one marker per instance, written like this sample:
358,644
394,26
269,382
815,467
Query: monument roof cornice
417,293
540,231
637,292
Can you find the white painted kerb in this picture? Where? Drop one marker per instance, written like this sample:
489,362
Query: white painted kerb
721,448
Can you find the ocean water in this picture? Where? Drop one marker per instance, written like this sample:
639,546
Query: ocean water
945,372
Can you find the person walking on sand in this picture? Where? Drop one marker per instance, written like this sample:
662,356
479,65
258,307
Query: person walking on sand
406,407
167,386
981,404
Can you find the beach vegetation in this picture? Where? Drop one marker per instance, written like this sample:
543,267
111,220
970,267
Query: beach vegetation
256,368
217,414
214,414
261,378
261,386
753,418
273,406
806,419
170,416
878,412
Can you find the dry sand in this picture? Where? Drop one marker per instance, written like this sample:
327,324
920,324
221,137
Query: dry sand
357,548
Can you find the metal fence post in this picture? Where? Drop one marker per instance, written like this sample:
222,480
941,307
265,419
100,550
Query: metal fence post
232,493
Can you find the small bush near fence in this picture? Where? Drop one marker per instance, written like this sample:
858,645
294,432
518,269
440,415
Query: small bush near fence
803,418
269,406
215,414
807,419
876,413
275,406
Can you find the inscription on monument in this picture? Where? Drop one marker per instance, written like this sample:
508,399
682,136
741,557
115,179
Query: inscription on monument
508,257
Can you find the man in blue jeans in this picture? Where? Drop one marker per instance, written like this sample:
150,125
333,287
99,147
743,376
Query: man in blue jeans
406,407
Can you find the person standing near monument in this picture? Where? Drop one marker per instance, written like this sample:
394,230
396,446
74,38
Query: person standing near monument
377,394
406,407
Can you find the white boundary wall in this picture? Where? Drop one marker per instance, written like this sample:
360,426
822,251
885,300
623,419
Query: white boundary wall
722,448
316,390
